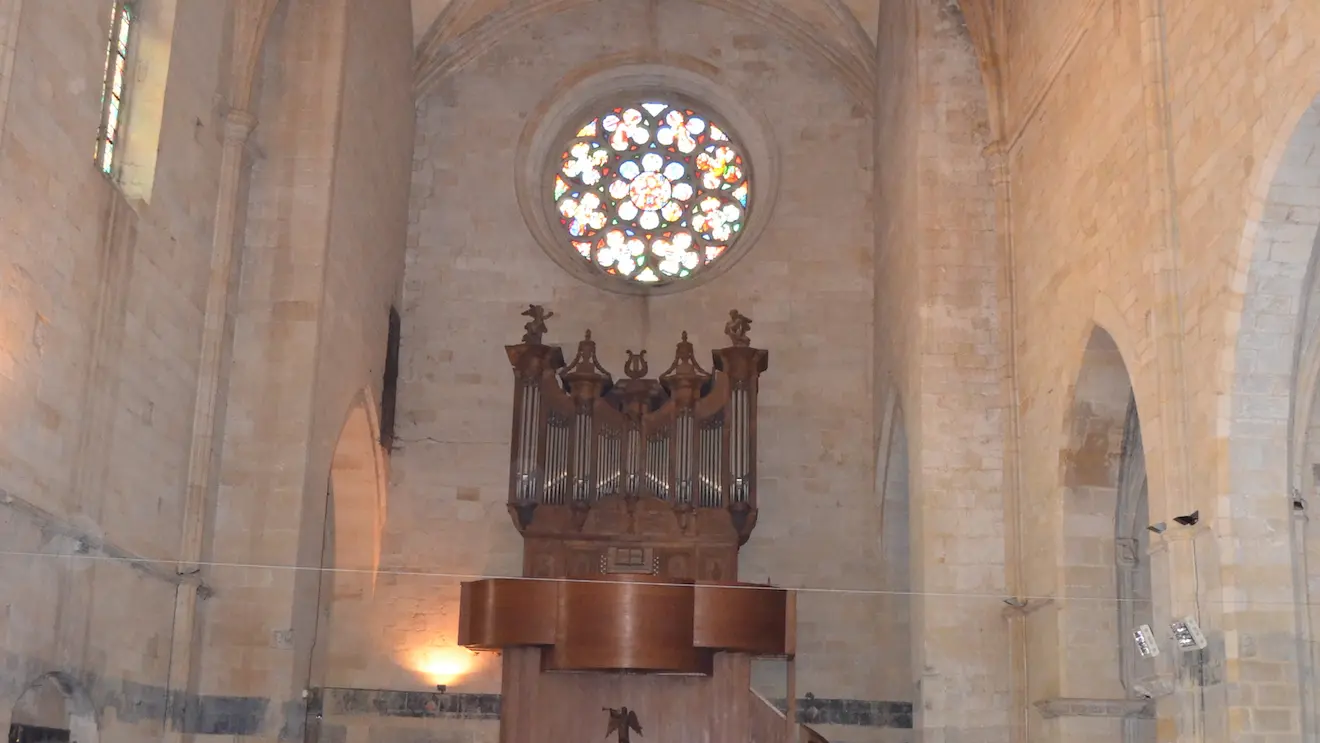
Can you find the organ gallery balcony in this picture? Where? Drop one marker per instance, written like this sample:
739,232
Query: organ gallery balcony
627,622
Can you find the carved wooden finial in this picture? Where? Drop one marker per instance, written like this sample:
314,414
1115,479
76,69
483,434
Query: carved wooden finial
535,327
585,365
636,366
736,328
685,366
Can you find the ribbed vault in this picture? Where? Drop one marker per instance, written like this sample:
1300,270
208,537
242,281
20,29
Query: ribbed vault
828,29
451,33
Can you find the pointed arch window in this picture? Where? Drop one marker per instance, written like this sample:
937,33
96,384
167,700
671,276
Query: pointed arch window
115,85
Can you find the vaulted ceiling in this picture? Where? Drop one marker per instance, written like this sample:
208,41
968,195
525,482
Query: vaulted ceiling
451,33
425,12
841,33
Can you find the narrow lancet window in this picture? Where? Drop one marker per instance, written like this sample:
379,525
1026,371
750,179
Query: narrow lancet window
114,89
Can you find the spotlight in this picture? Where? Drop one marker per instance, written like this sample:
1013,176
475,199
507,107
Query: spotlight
442,688
1188,520
1188,634
1145,641
1157,528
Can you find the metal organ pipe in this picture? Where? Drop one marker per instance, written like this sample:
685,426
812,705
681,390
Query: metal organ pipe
683,460
708,473
527,440
608,463
635,459
686,436
556,460
658,464
582,456
739,443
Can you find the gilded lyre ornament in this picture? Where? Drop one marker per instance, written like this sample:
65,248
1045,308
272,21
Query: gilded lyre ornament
622,720
535,327
635,367
736,328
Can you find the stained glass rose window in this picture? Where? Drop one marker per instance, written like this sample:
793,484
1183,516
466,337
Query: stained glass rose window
651,192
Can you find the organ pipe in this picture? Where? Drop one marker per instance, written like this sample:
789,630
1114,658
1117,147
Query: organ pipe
687,437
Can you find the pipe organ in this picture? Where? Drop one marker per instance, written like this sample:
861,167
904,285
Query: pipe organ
633,497
603,470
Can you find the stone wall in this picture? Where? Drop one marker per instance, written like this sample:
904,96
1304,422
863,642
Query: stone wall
1142,139
1158,187
102,306
941,315
472,267
325,233
110,299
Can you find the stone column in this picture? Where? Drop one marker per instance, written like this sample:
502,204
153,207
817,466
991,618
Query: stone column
209,402
1179,578
958,403
1016,615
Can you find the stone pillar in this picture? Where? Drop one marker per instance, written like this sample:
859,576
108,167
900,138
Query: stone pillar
958,399
208,405
1179,578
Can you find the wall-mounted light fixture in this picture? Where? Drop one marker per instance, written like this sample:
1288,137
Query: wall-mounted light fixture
1188,634
1145,641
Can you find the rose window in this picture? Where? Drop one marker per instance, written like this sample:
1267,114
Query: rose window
651,192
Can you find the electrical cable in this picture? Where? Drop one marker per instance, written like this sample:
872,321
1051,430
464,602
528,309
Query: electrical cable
456,576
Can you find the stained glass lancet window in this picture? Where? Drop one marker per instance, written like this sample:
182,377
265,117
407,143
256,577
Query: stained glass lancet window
116,82
651,191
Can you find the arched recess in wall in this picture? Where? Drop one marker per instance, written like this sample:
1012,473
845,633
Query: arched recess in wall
899,682
1105,573
1271,419
355,519
54,707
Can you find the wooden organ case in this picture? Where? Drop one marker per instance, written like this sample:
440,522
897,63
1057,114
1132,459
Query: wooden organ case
632,497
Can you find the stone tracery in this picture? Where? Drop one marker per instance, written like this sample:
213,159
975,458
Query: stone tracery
651,192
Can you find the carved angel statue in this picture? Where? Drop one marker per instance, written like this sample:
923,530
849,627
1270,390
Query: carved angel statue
736,328
536,326
622,720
